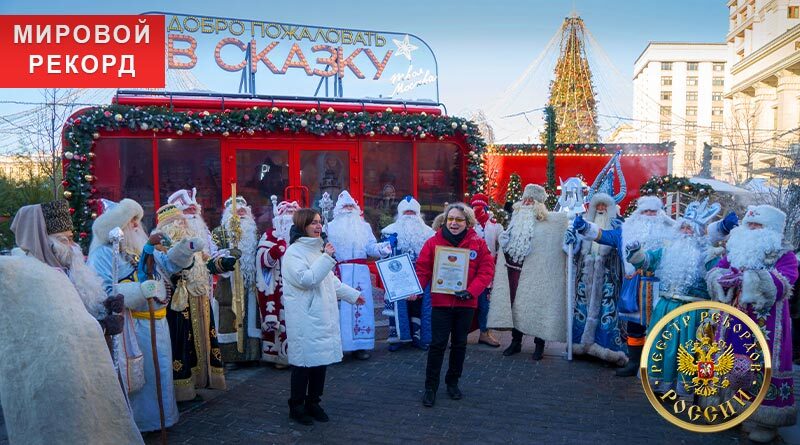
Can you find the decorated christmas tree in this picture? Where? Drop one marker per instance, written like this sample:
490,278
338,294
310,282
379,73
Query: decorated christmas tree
514,189
571,92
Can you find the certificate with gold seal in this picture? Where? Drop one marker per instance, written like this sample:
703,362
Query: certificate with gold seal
450,266
399,277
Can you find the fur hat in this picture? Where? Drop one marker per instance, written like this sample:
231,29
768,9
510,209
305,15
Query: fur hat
479,199
114,215
167,214
183,199
240,202
770,217
285,206
408,203
345,198
56,216
536,192
602,198
649,203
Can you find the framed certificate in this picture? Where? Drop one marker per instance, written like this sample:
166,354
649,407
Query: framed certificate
399,277
450,266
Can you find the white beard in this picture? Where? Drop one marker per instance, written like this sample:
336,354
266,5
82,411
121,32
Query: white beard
88,284
412,233
197,227
175,231
682,263
281,225
748,249
135,239
649,231
247,245
347,230
603,221
520,233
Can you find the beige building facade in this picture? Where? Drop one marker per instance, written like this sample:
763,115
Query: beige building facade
763,85
678,95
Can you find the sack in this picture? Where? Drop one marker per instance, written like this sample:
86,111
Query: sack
629,295
180,298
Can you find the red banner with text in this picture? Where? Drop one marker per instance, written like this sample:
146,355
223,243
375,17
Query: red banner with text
85,51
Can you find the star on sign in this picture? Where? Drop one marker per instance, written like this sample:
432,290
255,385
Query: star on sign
404,47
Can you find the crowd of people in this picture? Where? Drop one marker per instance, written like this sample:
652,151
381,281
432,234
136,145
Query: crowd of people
172,306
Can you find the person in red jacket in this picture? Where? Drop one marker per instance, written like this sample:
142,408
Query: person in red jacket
451,316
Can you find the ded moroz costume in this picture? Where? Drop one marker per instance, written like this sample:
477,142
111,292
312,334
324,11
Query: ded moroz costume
409,321
756,275
530,276
56,365
239,335
354,242
269,282
196,356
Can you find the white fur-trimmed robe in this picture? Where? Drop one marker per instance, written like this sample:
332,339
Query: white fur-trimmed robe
540,306
57,381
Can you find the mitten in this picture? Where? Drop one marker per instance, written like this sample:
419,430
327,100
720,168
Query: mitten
112,324
115,305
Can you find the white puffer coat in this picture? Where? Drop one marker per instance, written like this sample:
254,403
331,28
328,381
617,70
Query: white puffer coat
310,292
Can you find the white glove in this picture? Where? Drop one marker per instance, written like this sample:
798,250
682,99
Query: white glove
385,249
182,253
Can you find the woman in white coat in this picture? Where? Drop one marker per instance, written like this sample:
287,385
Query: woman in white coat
310,295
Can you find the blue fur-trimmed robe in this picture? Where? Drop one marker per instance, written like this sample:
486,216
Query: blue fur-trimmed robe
144,402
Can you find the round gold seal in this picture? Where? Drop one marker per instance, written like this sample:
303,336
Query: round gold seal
705,366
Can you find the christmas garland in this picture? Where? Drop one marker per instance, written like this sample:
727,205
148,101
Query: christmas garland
661,185
82,130
662,147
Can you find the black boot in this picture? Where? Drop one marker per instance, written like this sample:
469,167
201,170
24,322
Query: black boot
454,392
298,413
429,398
632,368
514,348
538,353
314,410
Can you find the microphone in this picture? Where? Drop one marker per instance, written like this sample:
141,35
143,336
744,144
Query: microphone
324,237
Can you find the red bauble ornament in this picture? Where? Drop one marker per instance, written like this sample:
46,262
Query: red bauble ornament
71,211
64,183
77,121
83,235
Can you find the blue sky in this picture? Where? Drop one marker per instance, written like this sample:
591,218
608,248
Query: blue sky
482,46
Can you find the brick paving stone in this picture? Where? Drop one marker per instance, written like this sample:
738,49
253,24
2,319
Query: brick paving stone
507,400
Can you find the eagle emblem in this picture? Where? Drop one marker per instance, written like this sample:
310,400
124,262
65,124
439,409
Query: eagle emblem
706,362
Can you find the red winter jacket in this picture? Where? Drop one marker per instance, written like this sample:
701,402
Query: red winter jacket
479,275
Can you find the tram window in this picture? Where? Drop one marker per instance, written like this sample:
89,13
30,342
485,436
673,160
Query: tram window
125,170
439,177
187,163
324,171
387,178
261,174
